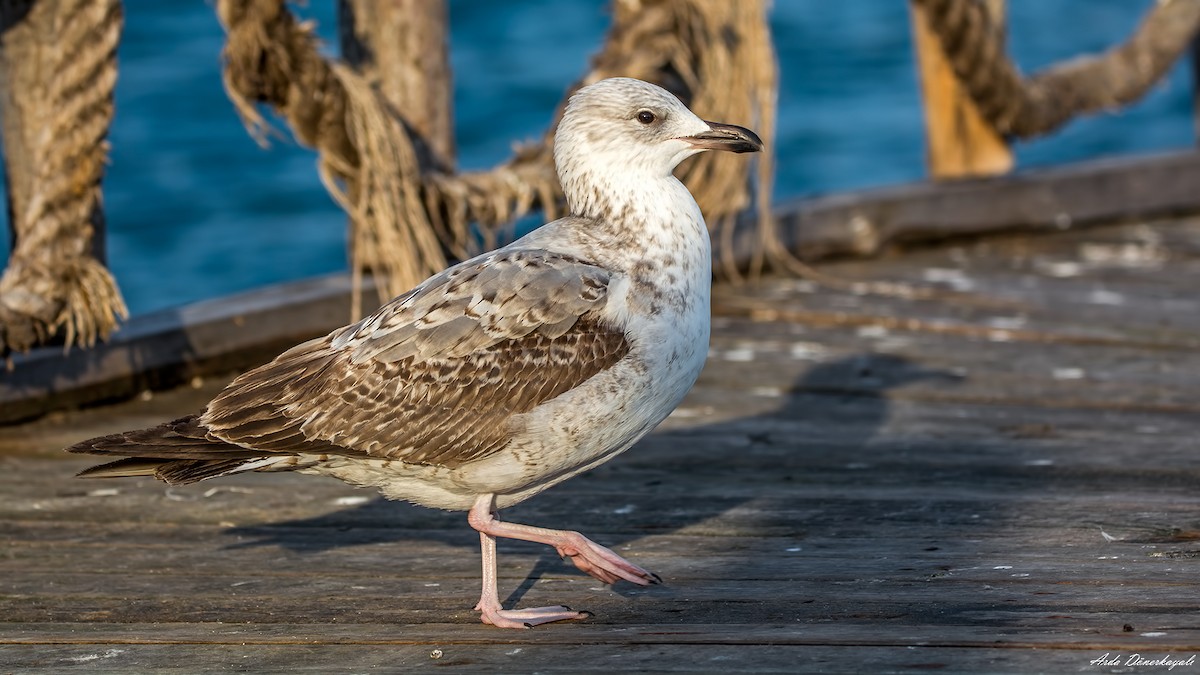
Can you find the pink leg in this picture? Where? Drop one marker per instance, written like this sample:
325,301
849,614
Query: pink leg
489,600
588,556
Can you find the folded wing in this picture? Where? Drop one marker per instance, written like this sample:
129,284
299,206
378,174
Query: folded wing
434,377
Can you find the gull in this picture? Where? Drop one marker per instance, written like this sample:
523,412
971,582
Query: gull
504,374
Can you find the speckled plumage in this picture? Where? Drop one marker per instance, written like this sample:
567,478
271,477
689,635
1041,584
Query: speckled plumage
504,374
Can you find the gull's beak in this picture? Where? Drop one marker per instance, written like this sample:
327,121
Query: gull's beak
725,137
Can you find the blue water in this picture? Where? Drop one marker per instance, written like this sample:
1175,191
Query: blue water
196,209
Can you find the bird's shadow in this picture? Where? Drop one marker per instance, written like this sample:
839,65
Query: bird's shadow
860,382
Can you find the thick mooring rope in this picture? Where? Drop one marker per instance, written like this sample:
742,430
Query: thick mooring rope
1026,107
53,283
716,55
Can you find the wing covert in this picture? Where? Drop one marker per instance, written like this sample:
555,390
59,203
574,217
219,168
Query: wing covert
436,375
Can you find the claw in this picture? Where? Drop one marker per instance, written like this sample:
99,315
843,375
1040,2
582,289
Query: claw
601,562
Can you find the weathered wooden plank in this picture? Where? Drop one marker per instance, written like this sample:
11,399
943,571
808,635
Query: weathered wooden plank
956,625
738,494
1143,269
827,546
365,542
559,658
1140,585
869,222
848,633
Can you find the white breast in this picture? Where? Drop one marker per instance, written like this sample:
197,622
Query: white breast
661,297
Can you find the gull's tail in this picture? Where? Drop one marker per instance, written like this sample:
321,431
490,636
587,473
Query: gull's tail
177,452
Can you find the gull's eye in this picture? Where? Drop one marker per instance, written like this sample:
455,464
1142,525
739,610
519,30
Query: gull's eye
646,117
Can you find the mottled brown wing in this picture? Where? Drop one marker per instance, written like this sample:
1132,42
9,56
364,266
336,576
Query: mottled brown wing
504,295
435,376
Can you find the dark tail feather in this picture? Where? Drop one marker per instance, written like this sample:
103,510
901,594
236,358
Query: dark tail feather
183,438
177,452
170,471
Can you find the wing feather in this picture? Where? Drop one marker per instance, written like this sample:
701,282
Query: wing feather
437,374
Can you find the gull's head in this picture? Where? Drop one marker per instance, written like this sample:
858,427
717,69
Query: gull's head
636,129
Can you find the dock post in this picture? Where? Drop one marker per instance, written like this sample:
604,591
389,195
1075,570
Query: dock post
959,141
401,49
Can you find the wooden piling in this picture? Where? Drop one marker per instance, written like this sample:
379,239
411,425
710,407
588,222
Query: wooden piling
400,47
959,141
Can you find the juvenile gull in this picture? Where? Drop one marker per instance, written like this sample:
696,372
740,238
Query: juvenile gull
502,375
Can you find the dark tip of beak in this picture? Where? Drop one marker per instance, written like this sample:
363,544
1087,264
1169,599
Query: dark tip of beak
728,137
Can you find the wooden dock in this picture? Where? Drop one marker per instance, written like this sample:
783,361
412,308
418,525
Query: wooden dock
1004,478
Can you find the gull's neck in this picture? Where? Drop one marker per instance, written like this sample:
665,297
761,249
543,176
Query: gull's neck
649,229
644,213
